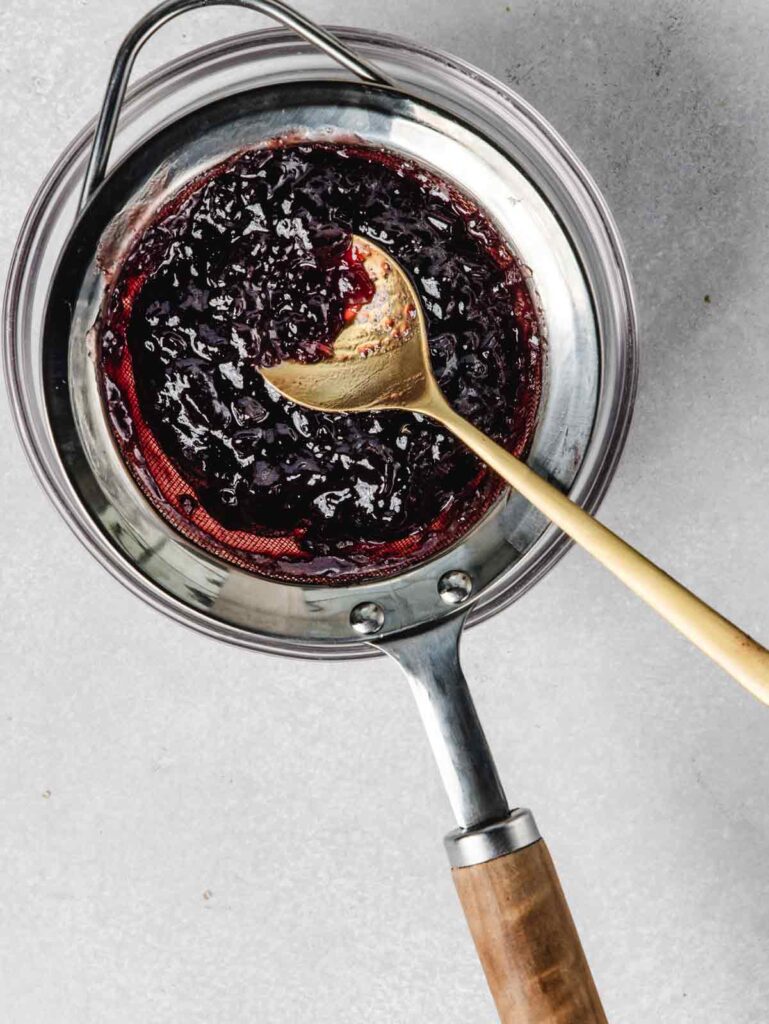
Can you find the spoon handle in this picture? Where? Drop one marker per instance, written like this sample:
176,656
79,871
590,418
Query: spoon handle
736,652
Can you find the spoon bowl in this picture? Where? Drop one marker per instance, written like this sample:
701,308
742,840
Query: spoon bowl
379,360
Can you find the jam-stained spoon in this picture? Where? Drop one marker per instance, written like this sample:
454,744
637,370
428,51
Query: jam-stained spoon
381,360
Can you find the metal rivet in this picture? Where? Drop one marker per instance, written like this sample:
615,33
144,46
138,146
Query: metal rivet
367,618
455,586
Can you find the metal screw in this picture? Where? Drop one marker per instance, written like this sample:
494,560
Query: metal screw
455,586
367,618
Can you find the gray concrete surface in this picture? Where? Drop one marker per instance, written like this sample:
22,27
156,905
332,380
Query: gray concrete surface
195,834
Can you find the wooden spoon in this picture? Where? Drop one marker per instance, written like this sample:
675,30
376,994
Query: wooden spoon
381,360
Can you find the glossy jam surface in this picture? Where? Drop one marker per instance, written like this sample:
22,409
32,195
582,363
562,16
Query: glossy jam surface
252,263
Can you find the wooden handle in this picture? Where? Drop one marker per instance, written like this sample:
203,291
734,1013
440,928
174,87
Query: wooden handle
736,652
526,940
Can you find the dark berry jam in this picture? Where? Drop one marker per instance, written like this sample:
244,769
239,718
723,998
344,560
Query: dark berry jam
252,263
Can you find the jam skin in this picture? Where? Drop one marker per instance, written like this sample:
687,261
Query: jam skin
251,264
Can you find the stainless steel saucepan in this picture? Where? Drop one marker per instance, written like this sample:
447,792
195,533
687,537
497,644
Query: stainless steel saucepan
438,111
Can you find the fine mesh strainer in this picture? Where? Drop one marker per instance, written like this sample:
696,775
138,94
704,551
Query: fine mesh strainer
430,108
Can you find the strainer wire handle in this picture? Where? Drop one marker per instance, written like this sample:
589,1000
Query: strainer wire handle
164,12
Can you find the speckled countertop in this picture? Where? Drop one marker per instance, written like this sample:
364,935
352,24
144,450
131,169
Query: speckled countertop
196,835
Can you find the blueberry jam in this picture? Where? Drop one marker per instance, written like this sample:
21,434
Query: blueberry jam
251,263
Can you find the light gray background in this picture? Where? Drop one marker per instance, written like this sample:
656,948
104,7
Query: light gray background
190,833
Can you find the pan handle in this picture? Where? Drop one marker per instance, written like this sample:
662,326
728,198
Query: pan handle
509,890
158,16
524,933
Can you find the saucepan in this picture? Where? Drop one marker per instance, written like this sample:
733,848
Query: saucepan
434,109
